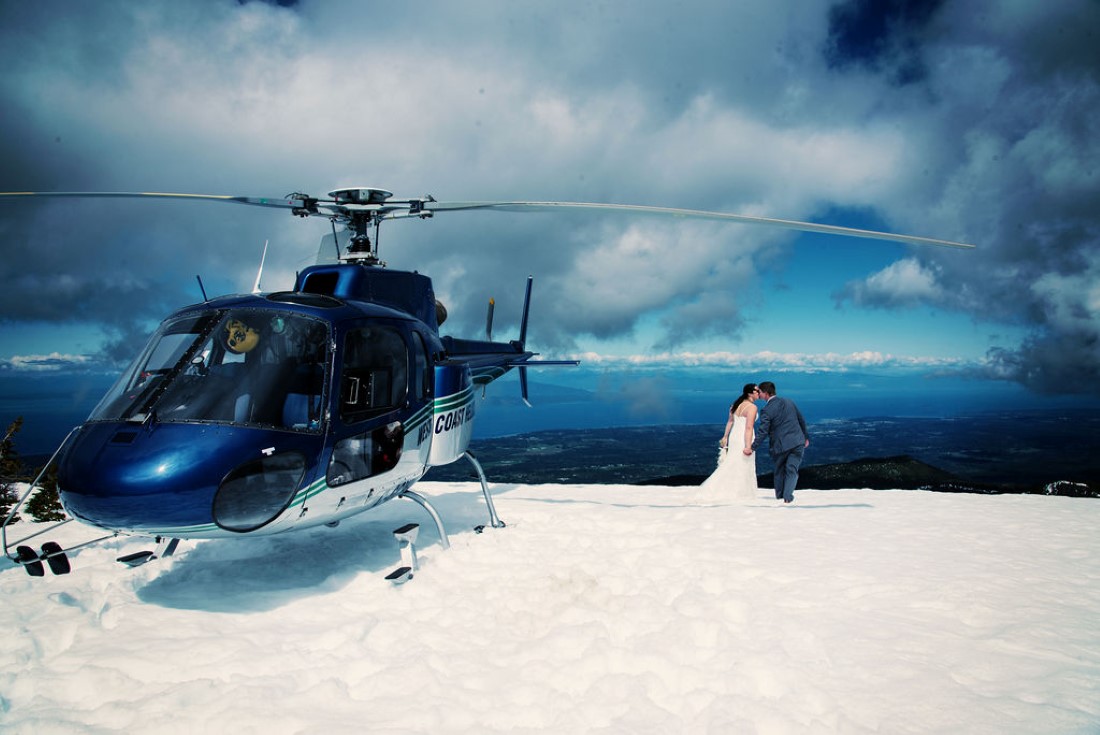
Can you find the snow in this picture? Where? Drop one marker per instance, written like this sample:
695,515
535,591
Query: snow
599,608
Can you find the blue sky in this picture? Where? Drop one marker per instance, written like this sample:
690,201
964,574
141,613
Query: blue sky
972,121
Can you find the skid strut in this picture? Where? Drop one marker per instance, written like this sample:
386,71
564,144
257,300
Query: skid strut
406,535
406,538
494,519
423,503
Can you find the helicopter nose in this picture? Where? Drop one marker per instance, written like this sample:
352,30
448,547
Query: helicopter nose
177,479
128,479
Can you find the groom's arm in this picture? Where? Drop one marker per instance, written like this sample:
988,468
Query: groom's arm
762,426
802,424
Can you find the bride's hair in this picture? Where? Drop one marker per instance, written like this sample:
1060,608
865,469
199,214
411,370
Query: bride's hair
745,393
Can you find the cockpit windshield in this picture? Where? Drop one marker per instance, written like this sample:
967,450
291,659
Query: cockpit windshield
242,366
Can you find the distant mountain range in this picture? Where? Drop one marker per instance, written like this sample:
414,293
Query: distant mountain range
900,473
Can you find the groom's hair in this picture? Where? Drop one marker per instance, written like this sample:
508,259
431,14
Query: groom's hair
767,387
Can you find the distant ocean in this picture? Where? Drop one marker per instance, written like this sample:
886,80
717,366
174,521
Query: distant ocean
980,429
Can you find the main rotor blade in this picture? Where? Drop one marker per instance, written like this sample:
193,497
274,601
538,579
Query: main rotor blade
284,203
690,214
305,205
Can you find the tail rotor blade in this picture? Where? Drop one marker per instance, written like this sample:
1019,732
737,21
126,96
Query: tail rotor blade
523,385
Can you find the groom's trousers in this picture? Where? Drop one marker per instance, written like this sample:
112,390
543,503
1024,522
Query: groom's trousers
786,472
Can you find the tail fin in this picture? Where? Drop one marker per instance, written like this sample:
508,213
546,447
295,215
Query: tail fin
526,312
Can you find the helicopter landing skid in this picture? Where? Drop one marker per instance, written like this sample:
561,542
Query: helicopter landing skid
165,547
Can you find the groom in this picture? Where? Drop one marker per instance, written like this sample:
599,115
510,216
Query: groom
782,422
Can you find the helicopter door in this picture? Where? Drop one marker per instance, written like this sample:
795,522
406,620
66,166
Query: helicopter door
374,381
375,373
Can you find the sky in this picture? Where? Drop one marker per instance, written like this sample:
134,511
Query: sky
885,611
970,121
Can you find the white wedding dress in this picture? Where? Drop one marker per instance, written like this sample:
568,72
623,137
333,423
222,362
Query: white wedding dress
735,478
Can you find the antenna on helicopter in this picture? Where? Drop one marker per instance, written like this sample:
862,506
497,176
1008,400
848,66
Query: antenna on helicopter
256,286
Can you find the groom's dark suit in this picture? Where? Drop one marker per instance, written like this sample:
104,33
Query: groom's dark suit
782,423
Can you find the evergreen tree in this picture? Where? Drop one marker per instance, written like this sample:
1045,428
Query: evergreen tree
45,504
11,469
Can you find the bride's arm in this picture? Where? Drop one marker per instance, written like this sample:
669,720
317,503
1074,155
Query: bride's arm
750,419
724,442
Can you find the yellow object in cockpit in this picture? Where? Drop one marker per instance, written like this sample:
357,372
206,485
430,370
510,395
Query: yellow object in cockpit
241,338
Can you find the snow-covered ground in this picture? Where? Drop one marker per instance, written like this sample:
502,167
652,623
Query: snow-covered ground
598,609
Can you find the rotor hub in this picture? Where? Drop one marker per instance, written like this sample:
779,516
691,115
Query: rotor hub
360,195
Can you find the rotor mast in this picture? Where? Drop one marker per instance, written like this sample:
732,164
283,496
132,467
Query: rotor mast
360,209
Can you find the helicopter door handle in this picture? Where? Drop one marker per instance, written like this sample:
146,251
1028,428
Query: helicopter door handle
353,390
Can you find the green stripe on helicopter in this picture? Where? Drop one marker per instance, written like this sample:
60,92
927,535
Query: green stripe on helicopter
484,376
314,488
181,531
457,400
424,414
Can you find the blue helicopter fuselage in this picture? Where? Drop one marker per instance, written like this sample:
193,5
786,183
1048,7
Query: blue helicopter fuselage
259,413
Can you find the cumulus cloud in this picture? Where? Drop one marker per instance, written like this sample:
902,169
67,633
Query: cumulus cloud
903,283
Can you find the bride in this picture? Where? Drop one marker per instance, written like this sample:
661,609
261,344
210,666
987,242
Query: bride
735,478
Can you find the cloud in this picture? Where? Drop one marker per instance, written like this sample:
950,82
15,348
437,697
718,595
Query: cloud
785,361
962,120
1065,356
901,284
45,363
881,35
1007,125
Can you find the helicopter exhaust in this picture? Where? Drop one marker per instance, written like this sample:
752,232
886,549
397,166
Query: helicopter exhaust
489,320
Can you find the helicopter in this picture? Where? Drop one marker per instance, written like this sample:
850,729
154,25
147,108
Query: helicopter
264,413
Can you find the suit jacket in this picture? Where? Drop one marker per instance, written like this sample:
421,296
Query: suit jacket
782,423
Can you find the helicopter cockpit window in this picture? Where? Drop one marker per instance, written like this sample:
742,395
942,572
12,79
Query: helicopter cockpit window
375,372
137,388
243,366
